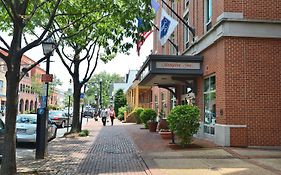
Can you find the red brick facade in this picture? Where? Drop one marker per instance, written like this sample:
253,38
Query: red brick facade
246,65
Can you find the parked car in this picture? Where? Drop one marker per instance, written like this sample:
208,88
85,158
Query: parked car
88,113
26,128
2,131
60,118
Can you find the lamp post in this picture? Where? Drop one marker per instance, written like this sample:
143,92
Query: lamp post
82,111
100,93
43,113
68,110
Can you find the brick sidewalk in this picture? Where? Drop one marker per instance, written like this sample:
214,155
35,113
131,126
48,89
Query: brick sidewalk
128,149
108,150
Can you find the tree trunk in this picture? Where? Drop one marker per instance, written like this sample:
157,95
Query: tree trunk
9,166
76,107
9,158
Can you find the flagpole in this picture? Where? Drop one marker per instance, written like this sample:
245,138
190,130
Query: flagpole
192,30
175,46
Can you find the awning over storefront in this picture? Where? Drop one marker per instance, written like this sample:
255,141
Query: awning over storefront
169,70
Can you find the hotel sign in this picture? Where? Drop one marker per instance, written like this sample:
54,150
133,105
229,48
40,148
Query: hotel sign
177,65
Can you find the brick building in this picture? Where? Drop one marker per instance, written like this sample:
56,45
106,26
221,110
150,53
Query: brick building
29,100
238,90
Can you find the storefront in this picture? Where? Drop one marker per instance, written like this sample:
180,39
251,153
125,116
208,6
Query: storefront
177,74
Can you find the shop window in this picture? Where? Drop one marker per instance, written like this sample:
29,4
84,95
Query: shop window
210,105
208,14
173,102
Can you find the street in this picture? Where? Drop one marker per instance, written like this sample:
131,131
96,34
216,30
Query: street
27,150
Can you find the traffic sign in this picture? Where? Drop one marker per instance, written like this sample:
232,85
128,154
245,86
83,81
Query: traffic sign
47,78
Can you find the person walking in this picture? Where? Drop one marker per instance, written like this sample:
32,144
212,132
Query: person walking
104,115
112,115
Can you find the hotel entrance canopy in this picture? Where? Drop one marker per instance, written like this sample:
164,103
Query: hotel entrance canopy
169,70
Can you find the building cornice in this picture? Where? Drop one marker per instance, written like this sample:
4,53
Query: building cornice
227,27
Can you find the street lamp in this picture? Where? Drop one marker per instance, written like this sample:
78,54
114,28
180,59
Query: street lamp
43,113
101,93
68,110
82,111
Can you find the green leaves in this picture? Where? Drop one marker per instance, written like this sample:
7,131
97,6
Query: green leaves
184,121
148,115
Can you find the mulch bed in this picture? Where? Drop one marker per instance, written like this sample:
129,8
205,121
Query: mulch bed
196,144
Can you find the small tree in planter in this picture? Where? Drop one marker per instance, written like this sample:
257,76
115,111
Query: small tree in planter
148,115
184,122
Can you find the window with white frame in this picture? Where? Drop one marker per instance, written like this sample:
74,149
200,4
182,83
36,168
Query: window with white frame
173,6
186,31
208,14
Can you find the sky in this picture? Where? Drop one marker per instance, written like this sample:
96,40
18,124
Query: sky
121,64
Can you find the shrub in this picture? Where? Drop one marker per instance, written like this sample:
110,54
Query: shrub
137,112
184,121
84,133
121,112
148,115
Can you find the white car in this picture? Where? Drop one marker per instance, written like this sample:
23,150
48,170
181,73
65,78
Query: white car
26,128
2,132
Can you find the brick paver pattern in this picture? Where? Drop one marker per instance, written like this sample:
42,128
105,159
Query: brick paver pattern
108,150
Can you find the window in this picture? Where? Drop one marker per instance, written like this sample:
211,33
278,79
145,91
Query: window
186,32
186,4
21,87
208,14
173,7
210,104
164,49
172,48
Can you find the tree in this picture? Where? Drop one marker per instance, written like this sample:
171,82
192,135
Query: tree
18,19
119,99
99,36
93,85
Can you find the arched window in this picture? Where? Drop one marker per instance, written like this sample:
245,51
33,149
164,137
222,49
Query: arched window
21,105
31,105
26,105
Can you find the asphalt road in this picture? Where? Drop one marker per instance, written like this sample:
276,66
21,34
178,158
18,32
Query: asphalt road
27,150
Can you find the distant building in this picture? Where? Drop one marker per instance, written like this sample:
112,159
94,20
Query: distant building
28,100
129,78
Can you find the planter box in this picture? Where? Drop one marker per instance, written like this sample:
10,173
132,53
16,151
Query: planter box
165,134
152,126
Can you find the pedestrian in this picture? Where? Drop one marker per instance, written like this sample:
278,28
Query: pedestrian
112,115
104,115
